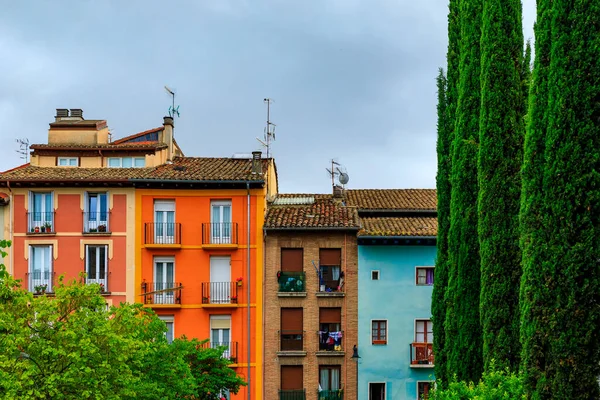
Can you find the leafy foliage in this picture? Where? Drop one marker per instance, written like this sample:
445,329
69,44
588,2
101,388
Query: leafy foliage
70,346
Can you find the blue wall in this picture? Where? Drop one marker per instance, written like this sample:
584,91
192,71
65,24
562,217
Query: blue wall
396,298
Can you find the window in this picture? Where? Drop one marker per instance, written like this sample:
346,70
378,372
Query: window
331,277
423,331
376,391
292,381
126,162
169,321
220,220
40,268
291,329
425,276
67,162
329,378
41,215
164,279
96,264
96,213
379,332
375,275
423,390
220,333
164,221
330,334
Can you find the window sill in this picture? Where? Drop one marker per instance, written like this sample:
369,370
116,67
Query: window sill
97,233
379,342
41,233
422,365
291,294
323,353
330,294
292,353
162,246
220,246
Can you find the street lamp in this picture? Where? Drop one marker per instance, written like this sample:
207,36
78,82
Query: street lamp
355,358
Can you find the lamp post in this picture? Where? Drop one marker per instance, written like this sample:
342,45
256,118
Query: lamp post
355,358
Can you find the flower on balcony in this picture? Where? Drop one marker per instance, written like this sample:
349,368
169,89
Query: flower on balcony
239,279
102,289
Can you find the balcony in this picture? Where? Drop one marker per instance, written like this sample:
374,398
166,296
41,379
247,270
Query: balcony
292,394
40,223
421,355
291,284
40,282
161,294
331,281
330,343
96,223
220,294
230,351
336,394
220,235
162,234
291,343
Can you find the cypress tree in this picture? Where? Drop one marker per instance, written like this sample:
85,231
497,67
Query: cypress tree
501,134
441,301
572,187
537,285
463,338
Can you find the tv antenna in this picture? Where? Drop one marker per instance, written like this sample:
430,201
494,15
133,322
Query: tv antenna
335,170
269,130
23,149
172,109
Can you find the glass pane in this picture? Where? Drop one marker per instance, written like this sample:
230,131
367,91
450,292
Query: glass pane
114,162
127,162
215,337
140,162
102,262
62,161
226,335
170,223
335,379
159,273
92,262
324,377
226,213
93,204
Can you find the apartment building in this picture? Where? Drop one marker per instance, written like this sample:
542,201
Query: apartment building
310,280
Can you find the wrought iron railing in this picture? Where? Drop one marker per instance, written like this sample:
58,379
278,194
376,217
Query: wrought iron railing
291,281
230,349
41,222
40,282
162,233
331,341
292,394
421,353
219,293
335,394
220,233
161,292
96,222
291,340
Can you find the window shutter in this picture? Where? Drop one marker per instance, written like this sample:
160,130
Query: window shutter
292,377
291,320
220,322
330,256
330,315
292,260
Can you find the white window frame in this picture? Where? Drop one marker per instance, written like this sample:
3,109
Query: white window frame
45,269
169,319
221,231
45,216
425,333
99,280
431,387
136,162
164,232
387,331
89,224
384,389
417,268
375,279
68,161
167,297
227,352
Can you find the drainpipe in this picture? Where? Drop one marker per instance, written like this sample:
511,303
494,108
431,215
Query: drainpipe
248,288
11,211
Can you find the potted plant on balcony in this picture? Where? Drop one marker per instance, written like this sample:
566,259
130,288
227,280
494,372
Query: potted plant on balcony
234,299
239,281
37,229
102,228
40,289
102,288
48,227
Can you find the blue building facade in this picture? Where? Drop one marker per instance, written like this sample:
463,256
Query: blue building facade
396,278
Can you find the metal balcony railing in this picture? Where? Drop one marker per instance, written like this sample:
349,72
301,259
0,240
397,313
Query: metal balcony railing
40,282
96,222
41,222
421,353
219,293
331,341
335,394
230,351
162,233
291,340
291,281
292,394
161,292
220,233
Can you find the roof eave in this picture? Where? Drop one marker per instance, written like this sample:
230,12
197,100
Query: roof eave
395,237
295,228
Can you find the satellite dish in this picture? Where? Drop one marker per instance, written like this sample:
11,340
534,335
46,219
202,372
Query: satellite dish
343,178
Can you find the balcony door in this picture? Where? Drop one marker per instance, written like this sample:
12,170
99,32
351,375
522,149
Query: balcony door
41,210
329,378
97,213
220,222
164,221
40,268
164,278
220,333
220,280
96,268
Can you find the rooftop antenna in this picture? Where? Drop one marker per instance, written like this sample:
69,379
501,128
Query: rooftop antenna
172,109
23,149
269,130
335,170
332,172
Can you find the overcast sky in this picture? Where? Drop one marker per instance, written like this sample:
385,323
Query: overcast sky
352,80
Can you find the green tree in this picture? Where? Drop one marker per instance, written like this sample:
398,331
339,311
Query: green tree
501,134
70,346
447,101
463,334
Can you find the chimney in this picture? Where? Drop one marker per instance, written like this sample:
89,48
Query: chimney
338,192
168,137
256,162
77,113
61,113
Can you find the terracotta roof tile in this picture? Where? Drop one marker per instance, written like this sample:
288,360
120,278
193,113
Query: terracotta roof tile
76,146
323,213
399,226
392,199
